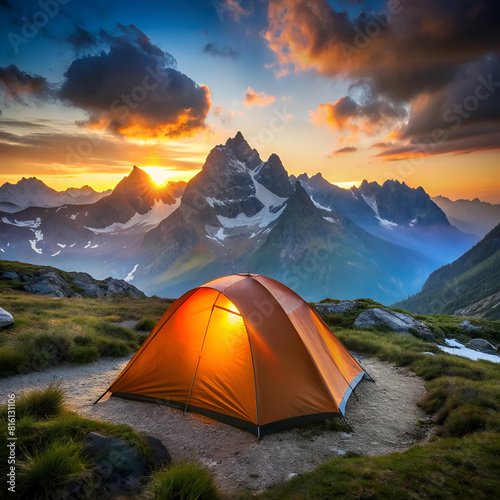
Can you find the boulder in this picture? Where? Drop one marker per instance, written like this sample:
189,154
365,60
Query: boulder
468,326
159,454
482,345
398,322
118,465
337,307
6,318
8,275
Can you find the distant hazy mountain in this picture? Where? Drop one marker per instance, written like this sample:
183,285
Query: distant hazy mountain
470,216
98,237
33,192
394,212
468,286
242,214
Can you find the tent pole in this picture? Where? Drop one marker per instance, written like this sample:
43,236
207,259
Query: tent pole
199,357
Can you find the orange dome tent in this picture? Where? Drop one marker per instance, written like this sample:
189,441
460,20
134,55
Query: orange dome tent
246,350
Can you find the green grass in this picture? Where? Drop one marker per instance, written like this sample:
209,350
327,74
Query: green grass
183,481
50,442
444,469
460,460
145,324
49,331
51,468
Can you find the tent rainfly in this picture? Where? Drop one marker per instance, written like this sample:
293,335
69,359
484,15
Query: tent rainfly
245,350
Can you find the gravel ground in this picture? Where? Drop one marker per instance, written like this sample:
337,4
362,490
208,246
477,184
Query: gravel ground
383,418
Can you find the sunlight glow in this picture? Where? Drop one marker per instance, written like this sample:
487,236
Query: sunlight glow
347,184
161,175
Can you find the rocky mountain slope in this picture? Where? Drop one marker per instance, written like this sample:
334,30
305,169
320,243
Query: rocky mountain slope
242,214
52,282
395,212
468,286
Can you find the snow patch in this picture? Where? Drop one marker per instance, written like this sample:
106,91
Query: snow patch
57,253
61,245
460,350
32,224
88,245
372,203
74,216
94,246
38,237
146,221
328,219
321,207
130,275
413,222
71,246
3,251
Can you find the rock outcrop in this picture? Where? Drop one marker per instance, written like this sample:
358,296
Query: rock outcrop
340,307
398,322
6,318
54,283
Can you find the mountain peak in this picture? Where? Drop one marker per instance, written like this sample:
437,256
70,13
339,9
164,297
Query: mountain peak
273,176
242,151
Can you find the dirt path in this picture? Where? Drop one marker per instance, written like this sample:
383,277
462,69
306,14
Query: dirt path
383,418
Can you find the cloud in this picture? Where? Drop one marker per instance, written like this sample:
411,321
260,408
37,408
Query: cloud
348,149
348,115
253,98
417,55
233,7
16,85
222,115
213,50
134,90
82,39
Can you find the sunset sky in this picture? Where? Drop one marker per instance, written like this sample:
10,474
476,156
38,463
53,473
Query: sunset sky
354,89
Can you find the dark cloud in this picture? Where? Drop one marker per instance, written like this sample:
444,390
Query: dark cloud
133,88
367,117
82,39
213,50
17,85
415,54
348,149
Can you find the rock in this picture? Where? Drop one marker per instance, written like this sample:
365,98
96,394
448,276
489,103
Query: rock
398,322
482,345
159,453
121,288
8,275
119,466
468,326
337,307
6,318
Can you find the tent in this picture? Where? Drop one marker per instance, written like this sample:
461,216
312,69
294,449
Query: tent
246,350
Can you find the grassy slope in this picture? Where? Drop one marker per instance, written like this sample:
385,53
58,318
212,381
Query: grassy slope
470,278
49,330
460,461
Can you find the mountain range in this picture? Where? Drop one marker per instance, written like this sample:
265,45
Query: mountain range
470,216
243,214
469,286
32,192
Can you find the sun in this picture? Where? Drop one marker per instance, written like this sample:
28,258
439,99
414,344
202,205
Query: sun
161,175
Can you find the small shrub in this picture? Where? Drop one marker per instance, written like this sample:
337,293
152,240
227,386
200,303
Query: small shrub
57,346
145,324
49,469
115,331
112,347
183,481
38,403
85,354
11,362
82,340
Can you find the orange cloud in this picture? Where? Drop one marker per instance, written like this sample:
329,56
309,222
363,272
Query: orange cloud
254,99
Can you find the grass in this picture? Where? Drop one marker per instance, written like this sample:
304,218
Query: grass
460,460
183,481
444,469
50,443
49,331
51,468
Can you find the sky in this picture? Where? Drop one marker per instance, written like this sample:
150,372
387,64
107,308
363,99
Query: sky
405,89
